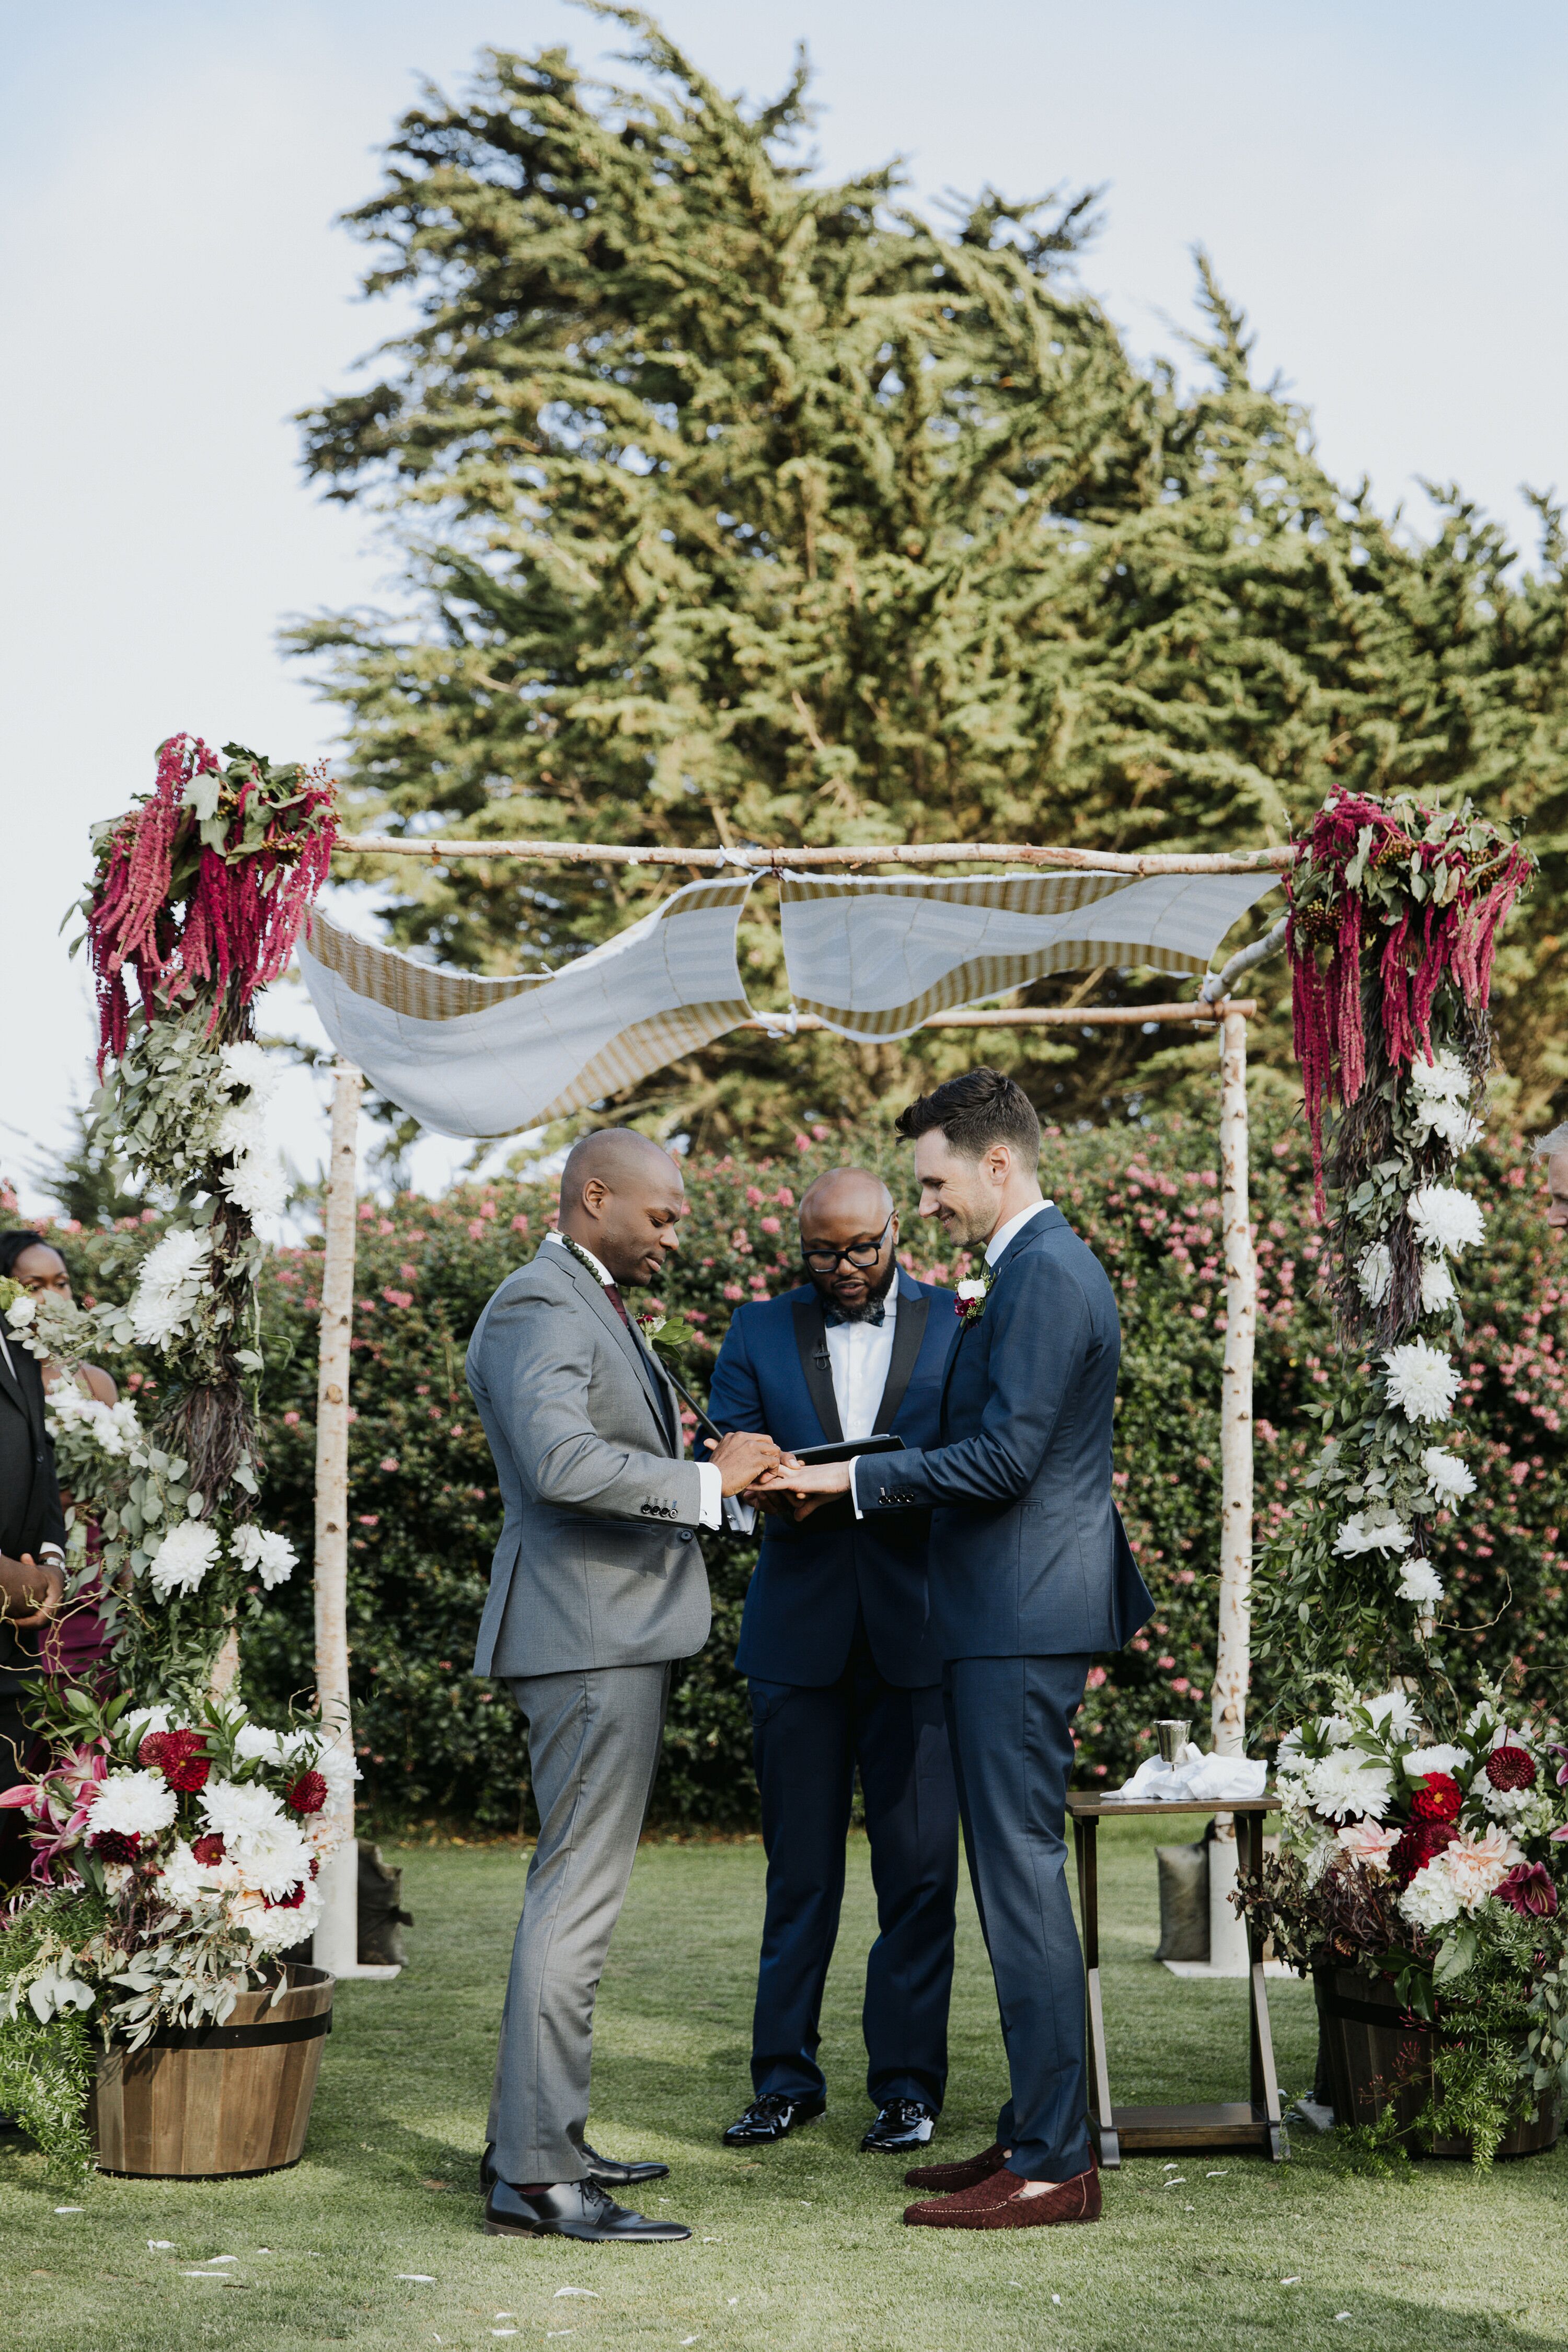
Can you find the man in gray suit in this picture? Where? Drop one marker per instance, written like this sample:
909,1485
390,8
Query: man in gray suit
597,1584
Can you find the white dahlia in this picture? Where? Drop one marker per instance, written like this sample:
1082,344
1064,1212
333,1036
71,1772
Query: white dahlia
1431,1899
1446,1218
1419,1582
1346,1785
1422,1382
137,1804
1476,1864
1451,1479
185,1556
1379,1529
271,1556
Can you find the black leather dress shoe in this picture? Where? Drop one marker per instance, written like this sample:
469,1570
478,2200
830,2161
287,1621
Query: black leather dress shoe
607,2170
772,2116
572,2209
901,2126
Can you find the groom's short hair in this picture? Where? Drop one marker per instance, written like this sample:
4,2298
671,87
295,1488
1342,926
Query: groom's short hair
982,1107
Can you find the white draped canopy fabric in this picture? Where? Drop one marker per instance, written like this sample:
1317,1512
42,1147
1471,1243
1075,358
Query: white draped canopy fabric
486,1057
875,959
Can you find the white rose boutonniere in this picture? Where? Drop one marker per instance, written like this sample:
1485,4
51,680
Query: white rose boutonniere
972,1294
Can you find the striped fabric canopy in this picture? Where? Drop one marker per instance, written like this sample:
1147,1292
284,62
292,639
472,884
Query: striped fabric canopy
876,959
486,1057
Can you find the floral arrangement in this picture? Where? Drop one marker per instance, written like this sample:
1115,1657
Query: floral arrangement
198,896
176,1855
1440,1865
1395,912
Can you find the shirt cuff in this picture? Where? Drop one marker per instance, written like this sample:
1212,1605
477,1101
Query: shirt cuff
52,1554
710,1512
854,1473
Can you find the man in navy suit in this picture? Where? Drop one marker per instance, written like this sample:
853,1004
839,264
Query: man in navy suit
837,1648
1031,1574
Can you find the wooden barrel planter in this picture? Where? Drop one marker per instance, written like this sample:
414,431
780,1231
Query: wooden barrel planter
216,2100
1378,2057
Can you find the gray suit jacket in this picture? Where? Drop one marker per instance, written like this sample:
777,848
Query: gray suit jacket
597,1564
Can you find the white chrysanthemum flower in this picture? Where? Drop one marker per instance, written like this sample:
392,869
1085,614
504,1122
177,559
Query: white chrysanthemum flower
1422,1380
185,1556
1431,1899
1393,1715
269,1556
241,1132
1348,1784
186,1882
1375,1274
1419,1582
270,1852
1444,1078
1374,1530
1437,1289
1451,1479
254,1740
239,1809
170,1284
1458,1130
249,1068
135,1727
1446,1218
137,1804
1502,1804
273,1928
257,1185
1443,1758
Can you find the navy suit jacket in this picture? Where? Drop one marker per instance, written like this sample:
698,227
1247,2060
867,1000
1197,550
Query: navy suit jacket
1028,1557
773,1374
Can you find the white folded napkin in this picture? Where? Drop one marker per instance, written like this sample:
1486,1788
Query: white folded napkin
1198,1778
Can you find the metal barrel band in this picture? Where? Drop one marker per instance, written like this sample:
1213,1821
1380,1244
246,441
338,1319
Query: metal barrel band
239,2037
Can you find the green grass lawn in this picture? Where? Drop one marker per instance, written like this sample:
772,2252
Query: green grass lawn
801,2246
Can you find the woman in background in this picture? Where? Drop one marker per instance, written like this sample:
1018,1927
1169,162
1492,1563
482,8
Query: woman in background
74,1644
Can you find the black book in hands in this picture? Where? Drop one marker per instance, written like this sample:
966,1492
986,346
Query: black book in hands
844,1449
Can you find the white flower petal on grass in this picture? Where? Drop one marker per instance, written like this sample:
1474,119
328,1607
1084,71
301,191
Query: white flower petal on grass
184,1557
1451,1478
1374,1273
1422,1383
1376,1530
1447,1218
1419,1582
269,1556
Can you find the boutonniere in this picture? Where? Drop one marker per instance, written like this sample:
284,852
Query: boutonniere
668,1336
972,1294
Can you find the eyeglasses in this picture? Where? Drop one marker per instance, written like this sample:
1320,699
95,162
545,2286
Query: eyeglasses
864,1255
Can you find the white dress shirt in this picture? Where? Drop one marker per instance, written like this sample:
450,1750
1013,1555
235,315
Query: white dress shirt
712,1487
861,1354
1004,1234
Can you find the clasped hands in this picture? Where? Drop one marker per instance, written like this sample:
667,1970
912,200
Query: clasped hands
753,1467
25,1587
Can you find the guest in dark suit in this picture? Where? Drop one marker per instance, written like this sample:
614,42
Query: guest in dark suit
1031,1574
32,1557
837,1649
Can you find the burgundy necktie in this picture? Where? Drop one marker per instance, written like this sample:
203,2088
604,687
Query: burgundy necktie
618,1303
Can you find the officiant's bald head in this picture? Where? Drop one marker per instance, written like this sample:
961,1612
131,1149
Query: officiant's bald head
623,1197
849,1237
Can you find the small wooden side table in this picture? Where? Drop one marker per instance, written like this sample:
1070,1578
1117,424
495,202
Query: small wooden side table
1255,2124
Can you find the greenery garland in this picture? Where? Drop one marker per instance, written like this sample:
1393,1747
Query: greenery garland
1395,912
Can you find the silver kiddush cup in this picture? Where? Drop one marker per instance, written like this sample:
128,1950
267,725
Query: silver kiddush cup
1172,1738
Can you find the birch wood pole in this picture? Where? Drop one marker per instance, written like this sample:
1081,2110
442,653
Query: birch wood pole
336,1945
1233,1658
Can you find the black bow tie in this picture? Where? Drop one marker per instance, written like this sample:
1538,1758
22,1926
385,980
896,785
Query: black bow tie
875,1315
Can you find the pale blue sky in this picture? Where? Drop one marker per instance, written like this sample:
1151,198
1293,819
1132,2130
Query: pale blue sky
1382,186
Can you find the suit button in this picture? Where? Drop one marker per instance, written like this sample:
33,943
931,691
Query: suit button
685,1535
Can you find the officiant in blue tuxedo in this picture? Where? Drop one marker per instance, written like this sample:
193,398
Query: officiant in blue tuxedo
1031,1574
843,1672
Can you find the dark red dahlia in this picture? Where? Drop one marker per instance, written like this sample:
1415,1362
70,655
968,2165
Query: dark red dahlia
180,1756
1438,1798
308,1795
116,1845
1529,1890
1510,1768
290,1901
209,1850
1417,1846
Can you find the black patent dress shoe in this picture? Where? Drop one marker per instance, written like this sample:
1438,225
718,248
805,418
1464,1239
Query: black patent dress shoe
607,2170
772,2116
901,2126
572,2209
